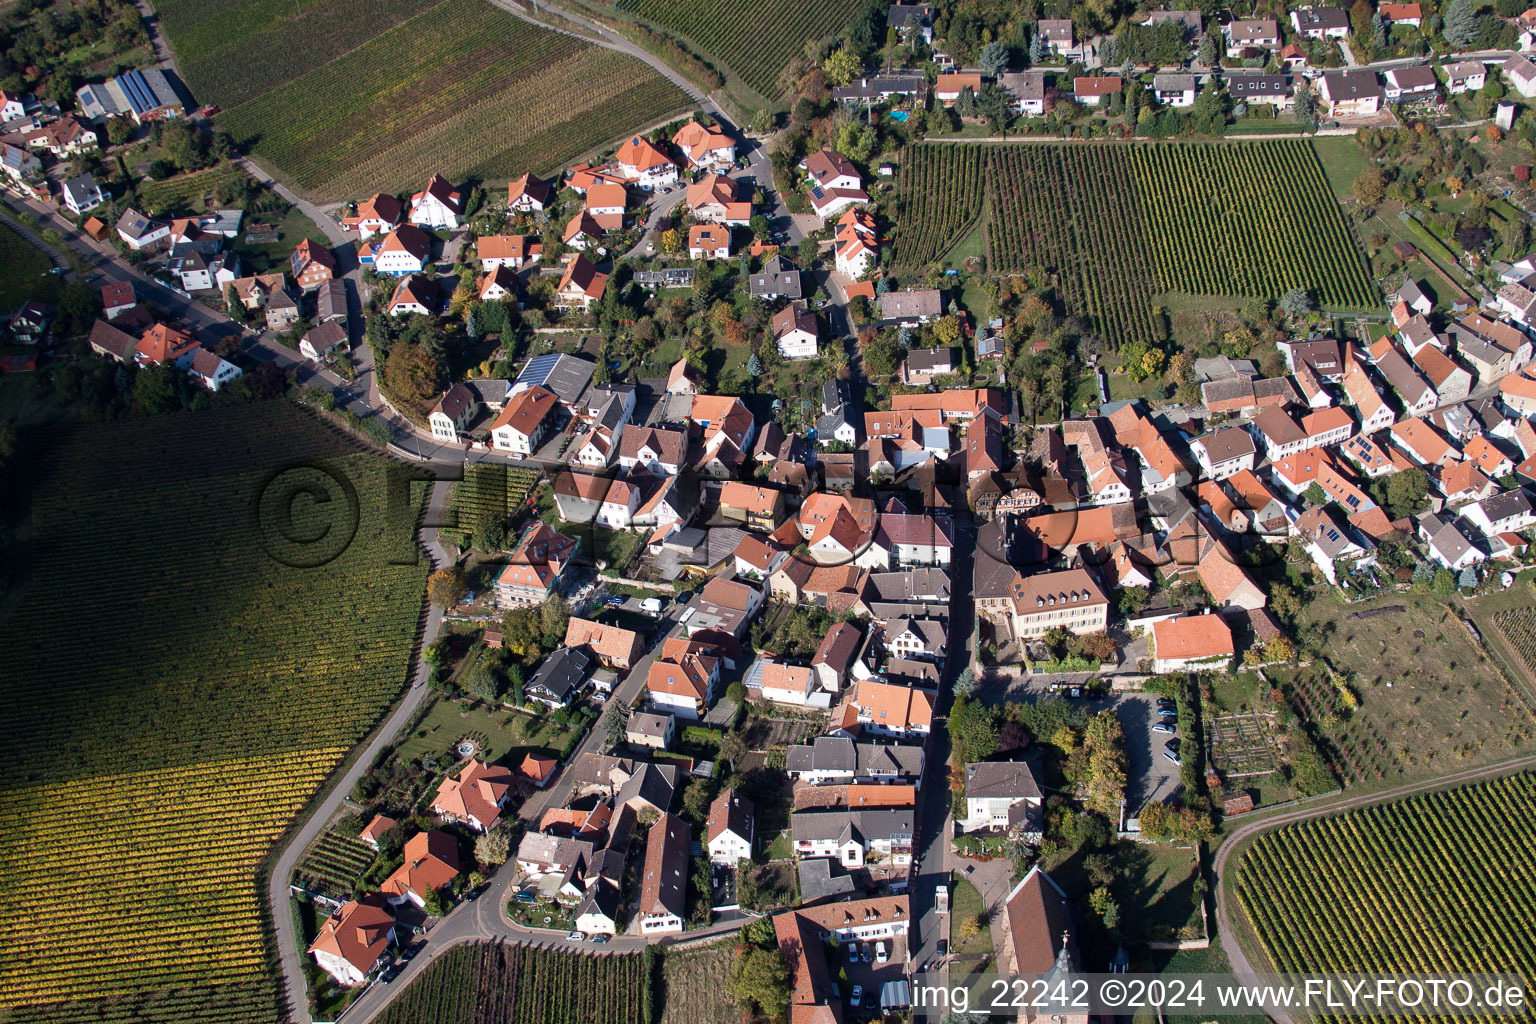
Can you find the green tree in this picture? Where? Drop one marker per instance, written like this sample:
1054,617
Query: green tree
841,66
1407,492
157,389
1461,23
1315,495
759,982
1444,584
493,848
1209,52
1296,303
993,59
764,122
434,903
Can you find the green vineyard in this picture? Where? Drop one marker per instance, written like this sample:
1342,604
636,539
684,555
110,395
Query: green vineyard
492,983
23,270
173,695
485,495
755,40
1428,885
332,864
347,97
1115,226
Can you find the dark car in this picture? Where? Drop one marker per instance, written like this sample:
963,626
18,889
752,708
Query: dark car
391,972
943,946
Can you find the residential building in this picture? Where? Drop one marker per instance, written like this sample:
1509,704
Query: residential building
649,729
81,193
1321,22
139,232
1174,90
948,87
1415,83
529,194
911,307
709,242
1028,91
878,709
352,942
1326,427
1252,34
1465,76
731,828
1230,586
854,838
1191,642
1091,90
717,199
376,216
474,796
431,864
704,147
1002,796
1056,34
515,251
1224,452
607,644
439,206
560,678
521,425
1521,73
533,572
416,295
1350,94
756,507
1278,433
838,759
683,682
1509,511
795,332
664,877
644,164
208,369
1251,88
779,279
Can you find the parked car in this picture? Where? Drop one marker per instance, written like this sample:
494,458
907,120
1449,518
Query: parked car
391,972
1164,704
858,995
616,600
526,897
853,952
1163,727
942,947
597,938
574,936
869,955
881,953
1173,756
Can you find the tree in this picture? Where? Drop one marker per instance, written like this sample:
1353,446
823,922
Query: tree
1209,53
1036,49
1407,492
1461,23
732,747
736,693
1315,495
763,122
1296,303
759,982
1444,584
965,105
841,66
616,722
965,683
493,848
993,59
1370,186
156,389
412,373
434,903
446,586
671,241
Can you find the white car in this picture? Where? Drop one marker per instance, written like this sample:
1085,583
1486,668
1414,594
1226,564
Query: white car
1163,727
881,954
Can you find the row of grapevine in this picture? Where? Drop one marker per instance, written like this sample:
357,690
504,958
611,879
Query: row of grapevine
172,697
1416,886
756,39
939,198
332,864
497,983
1115,225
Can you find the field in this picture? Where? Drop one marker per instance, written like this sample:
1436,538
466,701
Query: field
1407,887
332,864
185,193
354,96
492,983
1116,226
1429,700
499,736
755,40
166,671
486,495
21,269
693,984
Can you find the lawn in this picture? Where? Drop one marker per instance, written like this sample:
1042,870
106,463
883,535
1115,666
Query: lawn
1342,160
1153,886
614,548
1430,701
500,736
693,984
291,228
965,905
195,693
348,97
973,245
24,270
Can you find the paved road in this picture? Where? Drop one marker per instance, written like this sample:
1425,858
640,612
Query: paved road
1225,925
298,841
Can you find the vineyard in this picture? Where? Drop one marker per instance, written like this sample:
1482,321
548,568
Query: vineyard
21,268
1114,226
331,866
487,494
184,193
755,40
1518,627
1357,747
163,671
1418,886
493,983
342,104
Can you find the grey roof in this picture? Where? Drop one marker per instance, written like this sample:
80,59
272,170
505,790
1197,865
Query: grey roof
1189,19
914,585
1322,18
924,360
864,826
81,187
331,300
911,303
881,86
1227,443
491,391
1055,30
898,15
778,277
841,754
818,882
1012,779
647,723
915,674
1501,506
135,224
930,631
566,375
1173,83
1451,540
1351,85
670,277
651,784
601,898
562,672
1404,379
1024,85
1245,86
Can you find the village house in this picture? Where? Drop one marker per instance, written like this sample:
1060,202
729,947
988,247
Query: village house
515,251
682,681
649,729
1174,90
717,199
475,796
644,164
731,829
404,250
322,341
1449,542
609,645
704,147
431,864
839,759
1070,599
854,838
1091,90
529,194
948,87
1521,73
439,206
878,709
1224,452
416,295
1350,94
1321,22
535,567
796,333
354,940
1252,34
1464,76
1256,87
581,284
560,678
1406,85
664,877
709,242
1002,796
1056,34
1191,641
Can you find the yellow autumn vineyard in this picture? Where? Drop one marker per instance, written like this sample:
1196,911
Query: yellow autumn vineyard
173,696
